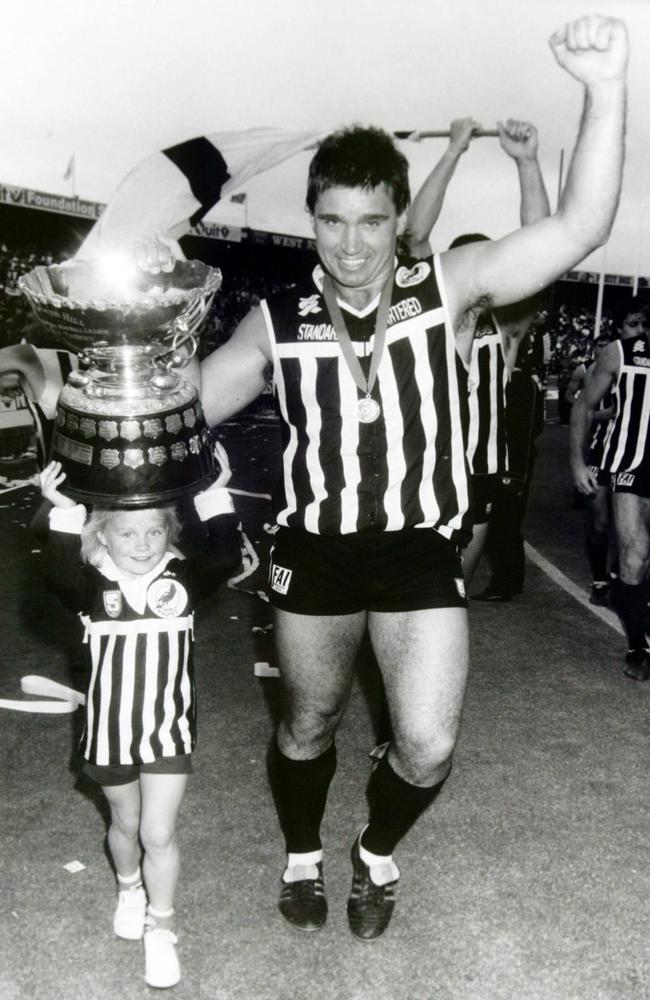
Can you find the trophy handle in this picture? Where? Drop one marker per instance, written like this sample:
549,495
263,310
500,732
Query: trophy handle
181,341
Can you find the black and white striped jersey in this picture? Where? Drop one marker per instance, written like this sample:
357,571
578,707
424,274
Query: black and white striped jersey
406,469
626,440
598,432
487,451
57,365
140,698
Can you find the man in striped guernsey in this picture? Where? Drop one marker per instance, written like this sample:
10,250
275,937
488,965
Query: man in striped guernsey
374,493
497,337
497,334
623,369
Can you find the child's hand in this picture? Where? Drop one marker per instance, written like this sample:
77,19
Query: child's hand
222,457
50,479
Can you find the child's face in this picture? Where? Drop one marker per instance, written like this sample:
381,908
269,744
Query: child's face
136,540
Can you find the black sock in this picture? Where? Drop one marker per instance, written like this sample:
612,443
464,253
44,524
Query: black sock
597,551
301,788
630,602
395,805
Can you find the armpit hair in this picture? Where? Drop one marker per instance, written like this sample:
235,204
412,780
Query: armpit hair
472,313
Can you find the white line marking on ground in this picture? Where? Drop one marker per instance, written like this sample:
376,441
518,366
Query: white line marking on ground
245,493
565,583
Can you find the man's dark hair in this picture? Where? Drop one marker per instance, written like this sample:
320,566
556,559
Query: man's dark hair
358,157
625,304
461,241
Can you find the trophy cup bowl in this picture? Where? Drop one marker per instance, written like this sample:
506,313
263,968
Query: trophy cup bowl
130,431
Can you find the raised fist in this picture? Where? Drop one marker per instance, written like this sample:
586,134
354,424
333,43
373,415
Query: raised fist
592,49
518,139
461,132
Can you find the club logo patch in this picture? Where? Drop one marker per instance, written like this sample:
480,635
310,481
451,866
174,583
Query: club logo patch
113,603
167,598
407,276
308,305
625,479
460,586
280,579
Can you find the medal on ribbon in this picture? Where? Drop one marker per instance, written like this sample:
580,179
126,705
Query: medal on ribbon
368,409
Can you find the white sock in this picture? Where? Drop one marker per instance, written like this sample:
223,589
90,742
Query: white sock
302,866
130,881
154,916
382,867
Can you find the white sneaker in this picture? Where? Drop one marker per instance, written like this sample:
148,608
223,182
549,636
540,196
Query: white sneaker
161,965
128,921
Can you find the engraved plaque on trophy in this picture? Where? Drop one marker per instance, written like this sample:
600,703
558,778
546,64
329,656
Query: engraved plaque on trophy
130,430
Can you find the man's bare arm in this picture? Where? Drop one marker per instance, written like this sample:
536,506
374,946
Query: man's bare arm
597,382
520,141
427,203
487,275
234,375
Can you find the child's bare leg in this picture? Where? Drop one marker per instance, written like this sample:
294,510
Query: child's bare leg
123,838
162,795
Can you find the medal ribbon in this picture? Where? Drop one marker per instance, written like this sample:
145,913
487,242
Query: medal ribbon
341,330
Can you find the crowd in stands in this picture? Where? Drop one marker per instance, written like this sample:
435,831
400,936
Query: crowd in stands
237,295
16,317
573,339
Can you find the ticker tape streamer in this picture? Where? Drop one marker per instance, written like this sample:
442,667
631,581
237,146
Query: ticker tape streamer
64,699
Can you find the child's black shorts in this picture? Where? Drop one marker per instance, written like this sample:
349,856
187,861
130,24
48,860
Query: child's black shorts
123,774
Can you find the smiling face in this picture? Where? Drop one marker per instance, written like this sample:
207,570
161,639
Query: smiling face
136,540
356,230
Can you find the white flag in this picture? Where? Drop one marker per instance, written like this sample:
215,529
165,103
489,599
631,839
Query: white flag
169,192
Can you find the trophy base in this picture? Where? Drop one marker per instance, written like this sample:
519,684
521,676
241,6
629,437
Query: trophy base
133,453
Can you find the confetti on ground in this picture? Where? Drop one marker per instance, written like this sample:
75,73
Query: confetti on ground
266,670
74,866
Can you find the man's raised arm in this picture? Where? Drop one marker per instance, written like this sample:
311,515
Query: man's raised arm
594,50
427,203
519,141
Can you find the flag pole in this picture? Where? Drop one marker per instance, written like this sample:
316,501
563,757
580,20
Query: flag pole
441,133
599,297
71,173
641,217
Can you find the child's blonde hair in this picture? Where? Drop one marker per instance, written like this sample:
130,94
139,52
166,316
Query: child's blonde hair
93,550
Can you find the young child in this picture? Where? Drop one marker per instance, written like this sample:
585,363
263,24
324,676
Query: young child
136,598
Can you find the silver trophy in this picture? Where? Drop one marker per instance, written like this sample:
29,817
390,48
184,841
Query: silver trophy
130,430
